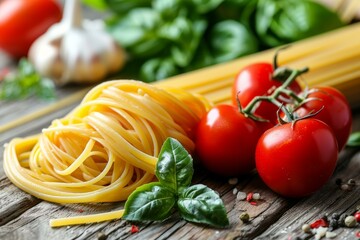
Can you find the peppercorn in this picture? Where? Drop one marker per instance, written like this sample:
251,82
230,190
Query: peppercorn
350,221
333,224
101,236
244,217
341,221
351,182
335,216
338,181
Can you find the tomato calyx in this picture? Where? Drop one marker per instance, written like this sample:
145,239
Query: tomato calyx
248,111
292,117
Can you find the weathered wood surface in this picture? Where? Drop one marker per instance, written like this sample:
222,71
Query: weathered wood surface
25,217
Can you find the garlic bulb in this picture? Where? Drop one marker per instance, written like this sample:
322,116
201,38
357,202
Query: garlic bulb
75,50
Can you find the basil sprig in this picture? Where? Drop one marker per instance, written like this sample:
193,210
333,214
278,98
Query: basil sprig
156,201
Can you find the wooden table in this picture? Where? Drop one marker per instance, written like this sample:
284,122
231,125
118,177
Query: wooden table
25,217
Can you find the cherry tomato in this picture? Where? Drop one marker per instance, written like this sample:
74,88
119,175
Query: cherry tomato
226,141
336,112
256,80
297,159
23,21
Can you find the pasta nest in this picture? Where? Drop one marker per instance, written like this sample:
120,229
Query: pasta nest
107,146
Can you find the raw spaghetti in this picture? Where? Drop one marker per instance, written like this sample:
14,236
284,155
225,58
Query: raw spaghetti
106,147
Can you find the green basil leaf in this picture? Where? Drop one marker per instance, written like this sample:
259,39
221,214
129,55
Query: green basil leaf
175,165
284,21
158,69
137,32
96,4
124,6
202,58
26,82
170,9
200,204
150,202
354,140
185,45
204,6
230,39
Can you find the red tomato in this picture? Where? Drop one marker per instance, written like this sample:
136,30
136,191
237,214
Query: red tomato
23,21
297,160
226,141
336,112
256,80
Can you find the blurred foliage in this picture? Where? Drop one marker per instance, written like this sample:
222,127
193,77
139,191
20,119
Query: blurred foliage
168,37
26,82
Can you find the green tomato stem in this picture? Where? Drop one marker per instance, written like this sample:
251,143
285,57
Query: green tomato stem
250,108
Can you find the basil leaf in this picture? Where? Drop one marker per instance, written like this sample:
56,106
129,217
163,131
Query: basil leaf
204,6
170,9
230,39
175,165
200,204
121,7
150,202
354,140
186,36
157,69
96,4
26,82
284,21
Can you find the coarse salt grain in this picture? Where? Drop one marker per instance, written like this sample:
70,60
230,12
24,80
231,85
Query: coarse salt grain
331,235
241,196
320,232
235,191
256,196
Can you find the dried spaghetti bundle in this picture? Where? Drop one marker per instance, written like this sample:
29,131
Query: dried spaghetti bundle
107,146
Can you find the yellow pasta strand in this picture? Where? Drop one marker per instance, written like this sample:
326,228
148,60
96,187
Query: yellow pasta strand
106,147
93,218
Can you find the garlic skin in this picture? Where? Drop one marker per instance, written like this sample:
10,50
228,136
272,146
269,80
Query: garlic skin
75,50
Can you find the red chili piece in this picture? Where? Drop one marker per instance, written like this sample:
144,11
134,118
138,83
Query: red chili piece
253,203
249,197
134,229
319,223
357,234
357,216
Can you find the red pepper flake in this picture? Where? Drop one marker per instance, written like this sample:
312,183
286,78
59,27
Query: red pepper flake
357,234
81,210
357,216
134,229
253,203
319,223
249,197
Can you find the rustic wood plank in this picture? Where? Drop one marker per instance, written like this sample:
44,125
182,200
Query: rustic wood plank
11,110
329,200
13,202
274,217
